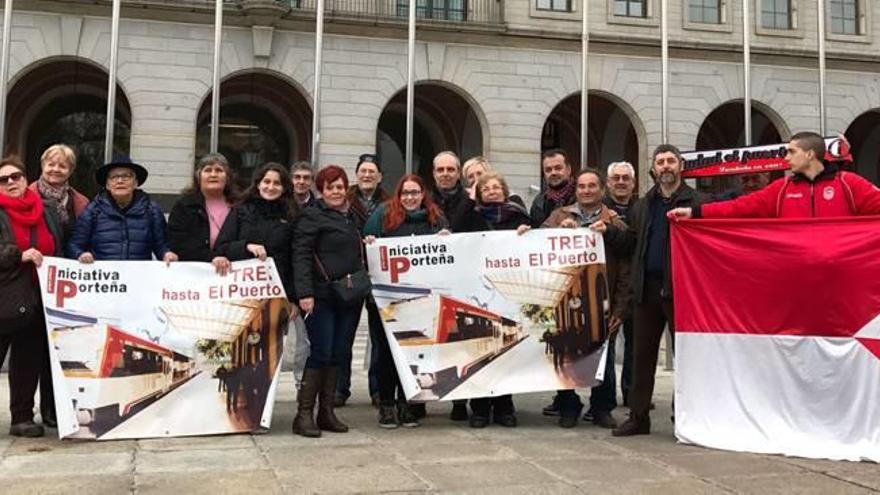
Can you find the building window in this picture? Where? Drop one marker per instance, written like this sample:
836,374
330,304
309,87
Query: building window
776,14
441,10
630,8
704,11
555,5
845,17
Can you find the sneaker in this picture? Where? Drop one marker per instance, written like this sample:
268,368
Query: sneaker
553,408
605,420
27,429
459,411
387,417
633,426
405,416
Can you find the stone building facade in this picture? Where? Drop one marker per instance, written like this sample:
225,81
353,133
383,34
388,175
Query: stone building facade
500,78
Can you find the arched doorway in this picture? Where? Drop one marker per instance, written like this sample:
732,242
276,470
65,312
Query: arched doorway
612,134
263,118
443,120
65,101
864,138
725,128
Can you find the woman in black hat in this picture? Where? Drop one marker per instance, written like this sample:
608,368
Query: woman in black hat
122,222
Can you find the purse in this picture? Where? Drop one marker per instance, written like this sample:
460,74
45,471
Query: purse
351,288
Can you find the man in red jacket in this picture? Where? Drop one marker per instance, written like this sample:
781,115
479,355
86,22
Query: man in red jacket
815,189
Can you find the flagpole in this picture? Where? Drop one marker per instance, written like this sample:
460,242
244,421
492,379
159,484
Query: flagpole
664,69
821,18
215,94
316,115
747,73
410,85
111,83
585,53
4,69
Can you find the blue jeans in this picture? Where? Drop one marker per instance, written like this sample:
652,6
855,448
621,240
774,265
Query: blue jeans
331,328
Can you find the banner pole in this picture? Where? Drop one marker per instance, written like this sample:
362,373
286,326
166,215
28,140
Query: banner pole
215,96
316,115
410,85
747,73
664,69
585,87
111,83
821,35
4,69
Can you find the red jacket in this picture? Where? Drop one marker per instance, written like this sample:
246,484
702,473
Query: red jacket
832,193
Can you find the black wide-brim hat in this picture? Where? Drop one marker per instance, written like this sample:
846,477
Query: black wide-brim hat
123,161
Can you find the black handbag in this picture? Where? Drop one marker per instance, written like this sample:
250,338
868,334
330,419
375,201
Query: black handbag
351,288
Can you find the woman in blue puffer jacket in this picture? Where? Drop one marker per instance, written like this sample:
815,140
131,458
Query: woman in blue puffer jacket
122,222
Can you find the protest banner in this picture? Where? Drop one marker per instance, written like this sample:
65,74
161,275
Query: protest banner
752,159
487,314
139,349
778,336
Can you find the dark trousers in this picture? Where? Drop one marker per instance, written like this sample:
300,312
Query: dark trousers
331,328
26,359
626,373
377,336
603,398
651,317
387,380
47,390
503,404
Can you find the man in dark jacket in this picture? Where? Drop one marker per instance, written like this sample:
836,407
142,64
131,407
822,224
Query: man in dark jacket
652,278
301,176
451,196
560,186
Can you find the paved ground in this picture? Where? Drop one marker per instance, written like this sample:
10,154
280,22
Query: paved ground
440,456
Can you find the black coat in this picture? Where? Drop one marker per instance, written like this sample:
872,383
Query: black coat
520,218
188,230
257,221
458,209
639,225
542,207
333,237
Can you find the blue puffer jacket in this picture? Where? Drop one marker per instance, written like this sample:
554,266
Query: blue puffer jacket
111,234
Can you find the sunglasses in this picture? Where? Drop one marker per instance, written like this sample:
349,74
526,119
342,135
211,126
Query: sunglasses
13,177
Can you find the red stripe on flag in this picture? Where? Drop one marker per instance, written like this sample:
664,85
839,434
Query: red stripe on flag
810,277
872,345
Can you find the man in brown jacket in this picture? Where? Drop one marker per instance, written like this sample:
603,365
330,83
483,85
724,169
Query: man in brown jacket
589,212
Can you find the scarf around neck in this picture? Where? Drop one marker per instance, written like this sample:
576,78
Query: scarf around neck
561,193
61,196
496,213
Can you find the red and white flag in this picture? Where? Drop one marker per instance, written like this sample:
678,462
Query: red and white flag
778,336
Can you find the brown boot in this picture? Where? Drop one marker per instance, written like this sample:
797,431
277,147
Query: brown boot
327,419
634,425
304,422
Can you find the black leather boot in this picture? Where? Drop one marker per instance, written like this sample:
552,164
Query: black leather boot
304,422
327,419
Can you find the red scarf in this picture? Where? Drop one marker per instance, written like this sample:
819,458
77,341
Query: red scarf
25,213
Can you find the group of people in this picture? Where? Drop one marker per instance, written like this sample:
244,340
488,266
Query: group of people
315,227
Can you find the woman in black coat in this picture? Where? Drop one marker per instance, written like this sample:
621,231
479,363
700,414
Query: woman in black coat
203,212
262,224
498,213
327,248
410,211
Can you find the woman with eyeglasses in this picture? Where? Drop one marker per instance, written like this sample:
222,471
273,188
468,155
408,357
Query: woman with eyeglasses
122,222
410,211
499,213
203,212
29,230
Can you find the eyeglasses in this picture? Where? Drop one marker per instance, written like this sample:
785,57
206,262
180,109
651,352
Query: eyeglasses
122,177
410,193
620,178
13,177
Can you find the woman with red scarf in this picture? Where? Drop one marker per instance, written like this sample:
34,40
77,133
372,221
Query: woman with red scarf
28,231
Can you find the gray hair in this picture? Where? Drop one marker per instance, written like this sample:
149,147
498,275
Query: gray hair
211,159
627,165
447,153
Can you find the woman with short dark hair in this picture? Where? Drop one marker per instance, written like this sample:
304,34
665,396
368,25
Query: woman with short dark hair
327,248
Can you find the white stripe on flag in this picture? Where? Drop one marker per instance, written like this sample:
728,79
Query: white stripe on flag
814,397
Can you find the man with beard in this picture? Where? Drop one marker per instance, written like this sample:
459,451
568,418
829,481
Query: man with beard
589,212
652,278
560,188
621,185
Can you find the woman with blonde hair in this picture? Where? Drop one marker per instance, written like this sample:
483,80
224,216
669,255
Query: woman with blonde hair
56,167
